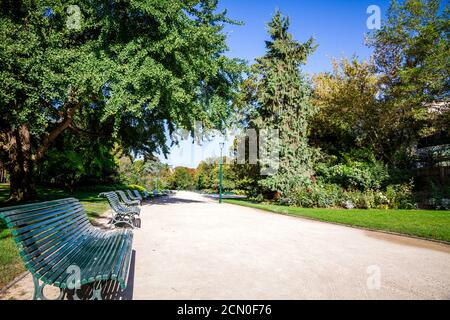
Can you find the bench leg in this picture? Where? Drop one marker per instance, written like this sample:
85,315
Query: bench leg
96,292
122,219
39,291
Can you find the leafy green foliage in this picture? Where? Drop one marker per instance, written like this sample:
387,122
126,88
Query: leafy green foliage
139,188
149,174
400,196
349,113
354,171
207,176
326,195
182,179
411,54
73,160
135,67
279,95
318,195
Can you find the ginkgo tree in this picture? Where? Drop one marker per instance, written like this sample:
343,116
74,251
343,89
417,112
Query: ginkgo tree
138,68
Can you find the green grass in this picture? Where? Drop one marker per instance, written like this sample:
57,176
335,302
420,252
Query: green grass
10,263
421,223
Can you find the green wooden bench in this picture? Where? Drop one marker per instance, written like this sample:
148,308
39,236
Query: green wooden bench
55,239
138,195
134,196
120,214
153,194
124,199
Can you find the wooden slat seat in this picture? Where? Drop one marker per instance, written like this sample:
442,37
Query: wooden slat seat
55,236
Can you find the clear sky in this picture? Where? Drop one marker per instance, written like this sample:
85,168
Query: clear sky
338,26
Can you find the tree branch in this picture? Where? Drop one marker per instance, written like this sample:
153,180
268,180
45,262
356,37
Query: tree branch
86,132
71,108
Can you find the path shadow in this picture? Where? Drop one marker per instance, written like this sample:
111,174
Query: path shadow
170,200
110,289
137,222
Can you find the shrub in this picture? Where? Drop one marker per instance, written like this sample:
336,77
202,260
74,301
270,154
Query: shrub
354,173
239,192
326,195
440,197
366,200
318,195
259,198
136,187
445,204
348,204
360,200
381,200
400,196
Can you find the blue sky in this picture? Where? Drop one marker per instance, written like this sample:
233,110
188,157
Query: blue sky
337,26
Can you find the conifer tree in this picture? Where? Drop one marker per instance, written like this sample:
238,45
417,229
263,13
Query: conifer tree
280,95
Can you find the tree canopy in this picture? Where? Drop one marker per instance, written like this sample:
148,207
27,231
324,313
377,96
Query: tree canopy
137,67
411,56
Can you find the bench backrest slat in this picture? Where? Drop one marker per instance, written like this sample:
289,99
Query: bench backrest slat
42,229
116,205
34,227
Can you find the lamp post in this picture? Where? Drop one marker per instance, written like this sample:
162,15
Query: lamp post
222,144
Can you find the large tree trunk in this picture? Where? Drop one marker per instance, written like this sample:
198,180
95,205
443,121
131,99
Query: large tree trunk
16,144
20,165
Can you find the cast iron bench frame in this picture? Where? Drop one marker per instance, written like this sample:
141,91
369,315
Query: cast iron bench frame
55,238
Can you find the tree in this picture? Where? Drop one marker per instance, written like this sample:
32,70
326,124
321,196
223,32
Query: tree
279,95
137,66
149,173
350,115
411,53
182,179
75,159
207,175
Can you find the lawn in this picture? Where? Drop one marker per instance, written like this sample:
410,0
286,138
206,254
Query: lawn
10,263
421,223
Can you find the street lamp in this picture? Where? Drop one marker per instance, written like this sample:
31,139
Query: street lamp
222,144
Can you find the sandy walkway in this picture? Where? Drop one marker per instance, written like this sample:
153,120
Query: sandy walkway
190,247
